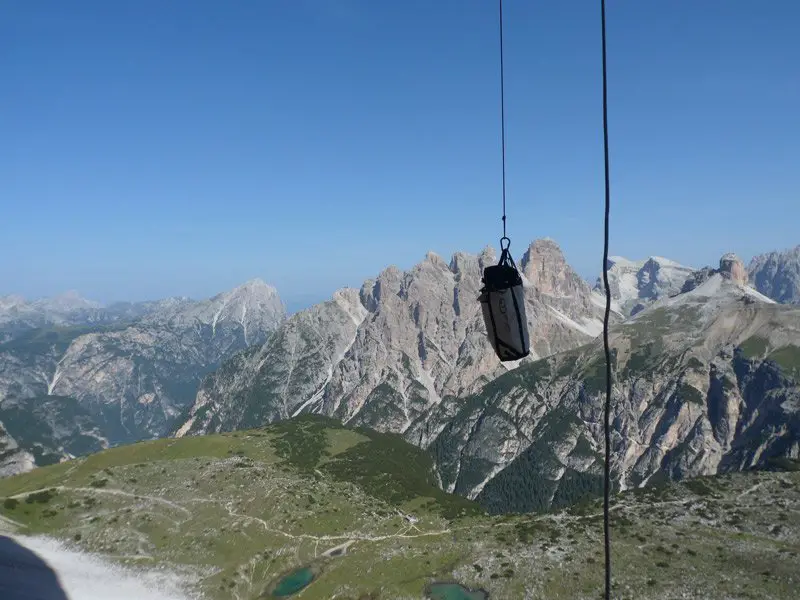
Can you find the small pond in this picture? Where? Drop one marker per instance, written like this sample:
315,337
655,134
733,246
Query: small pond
454,591
293,582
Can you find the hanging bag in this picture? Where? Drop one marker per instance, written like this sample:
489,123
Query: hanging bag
502,295
503,303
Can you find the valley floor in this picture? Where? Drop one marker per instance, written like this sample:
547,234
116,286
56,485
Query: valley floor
227,516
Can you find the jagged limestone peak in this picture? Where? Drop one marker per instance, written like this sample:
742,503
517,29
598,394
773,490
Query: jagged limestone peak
732,267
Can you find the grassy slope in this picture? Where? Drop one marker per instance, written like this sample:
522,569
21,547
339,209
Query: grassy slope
242,508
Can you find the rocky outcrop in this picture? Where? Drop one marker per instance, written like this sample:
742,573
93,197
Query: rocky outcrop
637,284
123,382
52,428
777,275
151,371
705,382
548,272
732,267
13,459
418,342
691,394
281,378
18,315
697,278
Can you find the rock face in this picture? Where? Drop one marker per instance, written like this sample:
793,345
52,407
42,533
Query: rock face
52,428
697,278
705,382
13,459
777,275
548,273
732,267
152,369
69,309
89,387
406,344
276,380
636,284
19,317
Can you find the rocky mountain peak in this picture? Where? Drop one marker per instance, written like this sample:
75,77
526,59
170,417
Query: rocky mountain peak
255,296
731,267
374,291
696,279
636,284
390,273
777,275
488,256
348,298
69,301
434,259
461,263
254,288
254,308
543,250
546,269
412,342
62,310
10,301
256,285
128,381
390,280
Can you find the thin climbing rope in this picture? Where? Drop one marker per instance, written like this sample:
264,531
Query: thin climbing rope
503,120
607,315
607,411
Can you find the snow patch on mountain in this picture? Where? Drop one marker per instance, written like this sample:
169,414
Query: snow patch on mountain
590,327
634,284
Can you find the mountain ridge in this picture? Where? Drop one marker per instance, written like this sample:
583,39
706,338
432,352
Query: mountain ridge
777,275
386,376
417,339
688,374
128,380
398,354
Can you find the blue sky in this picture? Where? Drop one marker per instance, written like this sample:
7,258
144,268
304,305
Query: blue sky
179,148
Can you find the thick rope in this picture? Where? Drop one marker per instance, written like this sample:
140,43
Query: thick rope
607,411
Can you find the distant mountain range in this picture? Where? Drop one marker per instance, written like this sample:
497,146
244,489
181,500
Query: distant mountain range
635,284
777,275
704,382
87,380
706,371
18,315
385,355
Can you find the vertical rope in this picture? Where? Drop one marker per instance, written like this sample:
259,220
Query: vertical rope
503,117
607,410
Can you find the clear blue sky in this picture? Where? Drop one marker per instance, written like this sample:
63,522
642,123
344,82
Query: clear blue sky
153,148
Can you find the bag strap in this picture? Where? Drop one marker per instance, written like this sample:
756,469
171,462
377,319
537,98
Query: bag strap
505,256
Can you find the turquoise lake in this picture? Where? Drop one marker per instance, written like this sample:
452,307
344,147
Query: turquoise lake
293,582
454,591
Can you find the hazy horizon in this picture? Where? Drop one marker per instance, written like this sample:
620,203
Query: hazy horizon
301,300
